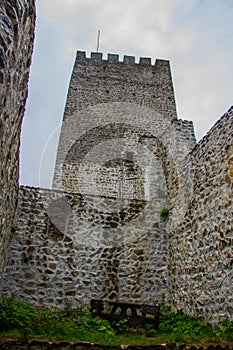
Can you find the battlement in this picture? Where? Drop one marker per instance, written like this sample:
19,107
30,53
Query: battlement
114,58
96,79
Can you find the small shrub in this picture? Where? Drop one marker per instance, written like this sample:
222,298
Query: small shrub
150,331
16,314
225,331
164,212
183,328
120,326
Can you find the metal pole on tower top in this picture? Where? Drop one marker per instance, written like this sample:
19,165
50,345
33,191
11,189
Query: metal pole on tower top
98,41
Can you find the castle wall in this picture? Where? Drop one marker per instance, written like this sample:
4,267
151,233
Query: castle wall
200,247
71,246
16,38
68,248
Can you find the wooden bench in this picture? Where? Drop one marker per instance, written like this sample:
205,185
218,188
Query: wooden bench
152,311
97,307
136,314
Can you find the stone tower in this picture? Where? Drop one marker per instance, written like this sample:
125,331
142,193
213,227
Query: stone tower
120,150
112,100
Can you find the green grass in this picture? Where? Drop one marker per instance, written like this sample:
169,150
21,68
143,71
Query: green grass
20,320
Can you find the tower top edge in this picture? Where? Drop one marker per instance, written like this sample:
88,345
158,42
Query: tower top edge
114,58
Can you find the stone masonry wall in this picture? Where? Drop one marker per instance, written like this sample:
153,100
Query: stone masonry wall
83,157
67,249
16,41
200,247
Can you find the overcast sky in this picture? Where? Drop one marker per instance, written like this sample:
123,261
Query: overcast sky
195,35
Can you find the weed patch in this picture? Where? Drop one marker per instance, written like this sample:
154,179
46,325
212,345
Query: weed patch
21,320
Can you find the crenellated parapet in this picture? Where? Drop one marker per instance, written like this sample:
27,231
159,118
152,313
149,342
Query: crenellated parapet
115,58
